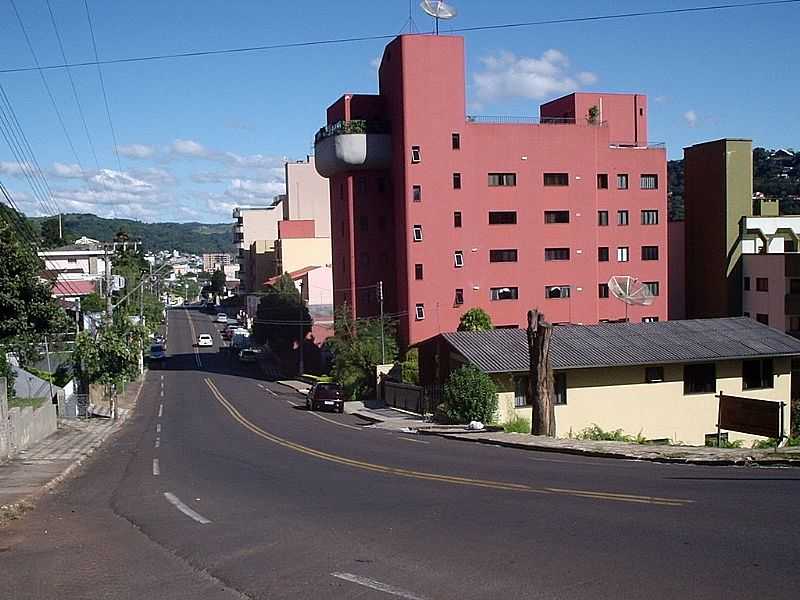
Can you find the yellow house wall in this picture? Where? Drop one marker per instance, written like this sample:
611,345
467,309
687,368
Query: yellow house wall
618,398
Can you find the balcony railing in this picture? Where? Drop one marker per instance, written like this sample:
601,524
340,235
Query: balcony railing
528,120
638,146
352,126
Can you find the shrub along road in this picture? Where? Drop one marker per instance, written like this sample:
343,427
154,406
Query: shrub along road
223,485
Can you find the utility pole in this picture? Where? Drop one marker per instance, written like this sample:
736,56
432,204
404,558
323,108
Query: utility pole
383,344
109,304
60,229
301,366
49,368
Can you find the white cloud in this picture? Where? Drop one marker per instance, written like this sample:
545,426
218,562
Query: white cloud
506,75
248,189
155,176
190,148
137,151
12,168
690,116
67,171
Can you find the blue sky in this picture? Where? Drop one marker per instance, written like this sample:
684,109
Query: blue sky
198,136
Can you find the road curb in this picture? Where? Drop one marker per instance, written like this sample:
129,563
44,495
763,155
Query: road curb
762,462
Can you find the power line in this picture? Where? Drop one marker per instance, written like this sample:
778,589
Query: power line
103,85
72,83
368,38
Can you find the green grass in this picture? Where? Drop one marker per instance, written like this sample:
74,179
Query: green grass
517,424
770,443
23,402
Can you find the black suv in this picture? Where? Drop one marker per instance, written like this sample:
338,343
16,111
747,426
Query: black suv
325,395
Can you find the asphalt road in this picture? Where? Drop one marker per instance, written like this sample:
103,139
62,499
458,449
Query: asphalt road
223,485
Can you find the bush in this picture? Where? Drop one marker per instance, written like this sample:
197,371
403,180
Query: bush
517,424
771,442
470,395
595,432
475,319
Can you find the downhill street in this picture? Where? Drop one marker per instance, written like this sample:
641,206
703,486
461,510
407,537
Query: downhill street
222,485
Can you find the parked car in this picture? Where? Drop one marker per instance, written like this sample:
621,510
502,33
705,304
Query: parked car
157,354
159,339
221,318
325,395
247,355
205,339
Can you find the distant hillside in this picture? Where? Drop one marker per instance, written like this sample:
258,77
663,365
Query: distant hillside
194,238
774,178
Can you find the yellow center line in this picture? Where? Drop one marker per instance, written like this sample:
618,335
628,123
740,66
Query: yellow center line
452,479
334,422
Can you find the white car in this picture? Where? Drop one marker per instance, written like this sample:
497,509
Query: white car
205,339
221,318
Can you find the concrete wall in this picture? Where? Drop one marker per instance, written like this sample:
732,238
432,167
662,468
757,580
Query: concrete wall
772,302
307,196
22,427
298,253
618,398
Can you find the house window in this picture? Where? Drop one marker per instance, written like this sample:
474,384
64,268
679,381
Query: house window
557,291
762,284
556,179
456,140
502,179
458,259
556,216
762,318
653,374
418,271
457,219
649,319
416,193
622,254
520,391
459,300
602,254
699,379
556,253
502,256
362,185
649,217
794,286
503,217
559,389
622,181
456,181
504,293
649,252
746,284
602,290
757,374
648,182
602,218
417,233
420,312
416,154
72,260
794,323
363,223
622,217
652,287
602,181
714,439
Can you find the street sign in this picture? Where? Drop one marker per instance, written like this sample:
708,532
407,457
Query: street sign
748,415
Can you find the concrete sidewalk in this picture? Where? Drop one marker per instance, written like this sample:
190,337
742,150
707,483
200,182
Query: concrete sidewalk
44,465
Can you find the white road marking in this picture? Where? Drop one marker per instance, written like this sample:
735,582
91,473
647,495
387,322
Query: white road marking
160,410
176,502
336,422
412,440
377,585
293,403
158,442
156,467
162,378
271,392
162,393
158,427
261,386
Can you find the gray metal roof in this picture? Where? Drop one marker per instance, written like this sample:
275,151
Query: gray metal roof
627,344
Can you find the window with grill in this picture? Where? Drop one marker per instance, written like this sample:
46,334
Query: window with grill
416,154
652,287
456,181
456,141
602,218
556,179
699,379
416,193
502,256
502,179
746,283
649,319
557,291
602,290
556,216
457,219
623,255
602,181
602,254
757,374
420,312
648,181
762,318
458,259
622,181
622,217
520,391
559,389
459,299
503,217
649,217
649,252
762,284
418,271
504,293
556,253
653,374
417,233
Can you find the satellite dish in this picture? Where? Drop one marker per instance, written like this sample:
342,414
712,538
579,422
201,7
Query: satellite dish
630,290
438,10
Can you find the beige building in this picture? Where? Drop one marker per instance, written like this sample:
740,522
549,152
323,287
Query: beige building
654,379
307,196
254,224
293,254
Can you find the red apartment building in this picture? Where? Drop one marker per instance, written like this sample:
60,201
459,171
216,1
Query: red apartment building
452,211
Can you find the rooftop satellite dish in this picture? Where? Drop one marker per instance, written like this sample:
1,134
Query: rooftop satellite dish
630,290
438,10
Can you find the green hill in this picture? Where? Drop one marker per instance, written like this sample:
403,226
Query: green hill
194,238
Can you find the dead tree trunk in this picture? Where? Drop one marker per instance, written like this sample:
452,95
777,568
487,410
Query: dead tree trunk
540,379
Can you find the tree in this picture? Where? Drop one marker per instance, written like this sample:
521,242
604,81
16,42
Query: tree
282,318
470,395
94,302
51,237
356,348
409,368
475,319
112,357
218,282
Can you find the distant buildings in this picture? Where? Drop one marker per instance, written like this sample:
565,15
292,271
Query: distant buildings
75,270
215,261
255,230
451,211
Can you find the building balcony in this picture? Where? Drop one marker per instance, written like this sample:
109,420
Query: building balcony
352,146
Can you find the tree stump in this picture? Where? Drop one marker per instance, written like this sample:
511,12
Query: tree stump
540,379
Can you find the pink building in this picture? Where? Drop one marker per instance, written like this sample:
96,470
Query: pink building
451,211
